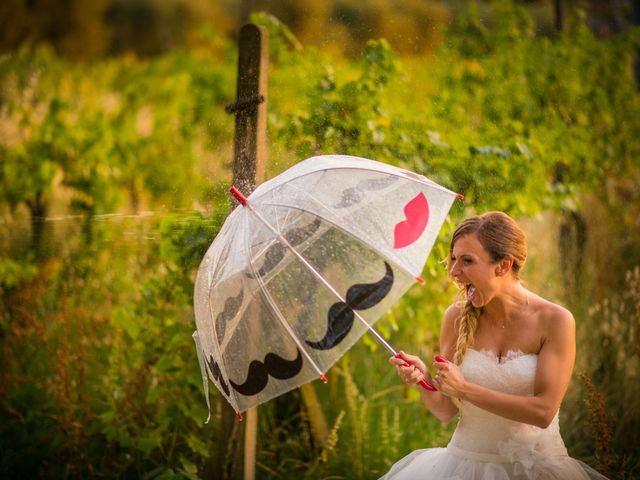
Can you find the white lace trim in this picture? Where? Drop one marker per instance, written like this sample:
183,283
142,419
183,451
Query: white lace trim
507,357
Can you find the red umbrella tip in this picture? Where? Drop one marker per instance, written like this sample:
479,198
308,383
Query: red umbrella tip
460,196
238,195
240,417
323,378
420,279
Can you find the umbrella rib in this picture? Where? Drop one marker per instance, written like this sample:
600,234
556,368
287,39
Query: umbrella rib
310,267
217,343
222,362
401,173
278,313
203,372
343,230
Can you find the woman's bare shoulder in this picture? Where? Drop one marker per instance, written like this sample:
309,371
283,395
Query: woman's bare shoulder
555,319
449,329
452,314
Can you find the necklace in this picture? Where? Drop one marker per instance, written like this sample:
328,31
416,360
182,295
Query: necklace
504,321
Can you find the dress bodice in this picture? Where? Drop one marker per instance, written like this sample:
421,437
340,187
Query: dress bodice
483,433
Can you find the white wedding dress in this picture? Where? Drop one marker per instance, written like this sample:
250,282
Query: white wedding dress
488,447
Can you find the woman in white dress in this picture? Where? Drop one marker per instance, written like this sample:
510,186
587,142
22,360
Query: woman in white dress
508,357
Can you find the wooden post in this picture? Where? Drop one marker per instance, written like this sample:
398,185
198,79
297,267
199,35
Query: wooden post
237,458
558,17
250,443
250,109
635,20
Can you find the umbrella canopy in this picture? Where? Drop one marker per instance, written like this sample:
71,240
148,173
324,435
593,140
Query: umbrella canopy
296,276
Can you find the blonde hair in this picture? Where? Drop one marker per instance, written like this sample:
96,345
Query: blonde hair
502,238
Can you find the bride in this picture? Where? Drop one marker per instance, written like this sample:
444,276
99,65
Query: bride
508,357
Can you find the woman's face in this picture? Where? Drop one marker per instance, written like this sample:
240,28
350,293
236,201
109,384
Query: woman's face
473,269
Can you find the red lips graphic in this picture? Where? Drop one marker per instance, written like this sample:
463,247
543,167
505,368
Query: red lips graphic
417,217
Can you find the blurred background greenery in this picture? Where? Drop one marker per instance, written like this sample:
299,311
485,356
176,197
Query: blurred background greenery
115,157
84,30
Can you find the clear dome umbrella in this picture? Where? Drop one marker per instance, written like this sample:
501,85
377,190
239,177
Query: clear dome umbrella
305,267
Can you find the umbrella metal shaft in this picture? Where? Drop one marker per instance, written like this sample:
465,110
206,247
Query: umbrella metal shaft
310,267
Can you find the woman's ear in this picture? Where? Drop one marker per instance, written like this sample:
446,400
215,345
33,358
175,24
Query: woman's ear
504,266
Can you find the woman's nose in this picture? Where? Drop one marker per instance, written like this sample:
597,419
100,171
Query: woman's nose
454,271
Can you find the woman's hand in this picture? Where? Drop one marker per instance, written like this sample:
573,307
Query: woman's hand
441,406
412,374
449,379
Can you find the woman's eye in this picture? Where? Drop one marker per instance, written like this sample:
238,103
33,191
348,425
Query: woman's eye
466,261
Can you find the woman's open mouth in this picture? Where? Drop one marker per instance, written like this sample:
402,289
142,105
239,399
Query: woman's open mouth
471,291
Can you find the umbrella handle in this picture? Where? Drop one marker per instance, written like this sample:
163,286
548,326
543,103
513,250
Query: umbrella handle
427,386
440,359
422,383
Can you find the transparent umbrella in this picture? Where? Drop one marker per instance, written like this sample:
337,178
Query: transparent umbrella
305,267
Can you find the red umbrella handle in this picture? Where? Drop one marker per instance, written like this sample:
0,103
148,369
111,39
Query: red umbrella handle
423,383
427,386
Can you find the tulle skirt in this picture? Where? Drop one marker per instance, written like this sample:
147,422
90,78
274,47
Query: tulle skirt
451,463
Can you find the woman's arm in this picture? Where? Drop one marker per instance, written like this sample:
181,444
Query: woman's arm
437,403
555,364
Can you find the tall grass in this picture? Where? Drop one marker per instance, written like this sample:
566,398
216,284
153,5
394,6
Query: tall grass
611,378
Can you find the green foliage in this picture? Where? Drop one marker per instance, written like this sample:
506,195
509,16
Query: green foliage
512,116
346,118
33,106
281,40
122,395
15,273
552,105
109,131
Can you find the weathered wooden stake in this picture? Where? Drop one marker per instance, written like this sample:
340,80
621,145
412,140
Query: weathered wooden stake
635,20
238,455
250,108
558,15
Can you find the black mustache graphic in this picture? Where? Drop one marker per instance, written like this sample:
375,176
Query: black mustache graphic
354,195
350,197
275,253
214,369
359,297
231,307
258,375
